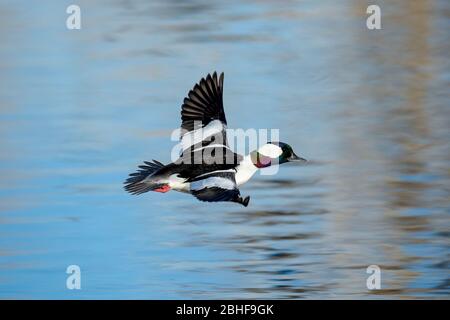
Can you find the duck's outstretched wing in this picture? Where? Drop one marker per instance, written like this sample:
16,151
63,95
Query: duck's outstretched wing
217,186
203,104
203,119
203,132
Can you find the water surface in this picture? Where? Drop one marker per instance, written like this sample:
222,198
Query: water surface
370,110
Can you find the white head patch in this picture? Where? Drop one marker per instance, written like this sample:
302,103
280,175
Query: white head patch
270,150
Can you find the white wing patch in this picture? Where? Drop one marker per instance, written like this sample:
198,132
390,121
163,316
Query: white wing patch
217,171
196,136
210,182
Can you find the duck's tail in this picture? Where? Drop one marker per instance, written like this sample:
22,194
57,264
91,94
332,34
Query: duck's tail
138,181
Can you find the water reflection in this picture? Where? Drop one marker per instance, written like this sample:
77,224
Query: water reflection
368,109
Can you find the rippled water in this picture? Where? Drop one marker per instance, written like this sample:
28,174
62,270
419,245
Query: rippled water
369,109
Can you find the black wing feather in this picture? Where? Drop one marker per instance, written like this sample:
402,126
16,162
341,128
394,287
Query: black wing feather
215,194
204,103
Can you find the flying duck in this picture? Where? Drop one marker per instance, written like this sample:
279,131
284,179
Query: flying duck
207,168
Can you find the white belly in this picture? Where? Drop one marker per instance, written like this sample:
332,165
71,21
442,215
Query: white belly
245,171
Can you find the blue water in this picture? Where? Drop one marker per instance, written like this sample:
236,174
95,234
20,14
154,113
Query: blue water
80,109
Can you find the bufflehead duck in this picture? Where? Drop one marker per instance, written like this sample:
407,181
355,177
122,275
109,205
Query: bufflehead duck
207,168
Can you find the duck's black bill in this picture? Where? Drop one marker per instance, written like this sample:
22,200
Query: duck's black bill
295,157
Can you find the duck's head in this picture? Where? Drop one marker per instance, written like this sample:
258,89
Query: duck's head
274,153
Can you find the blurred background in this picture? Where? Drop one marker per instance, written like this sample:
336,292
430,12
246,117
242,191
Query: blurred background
80,109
